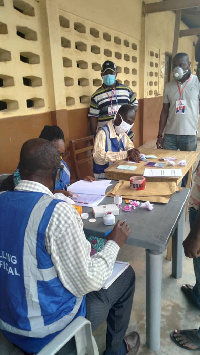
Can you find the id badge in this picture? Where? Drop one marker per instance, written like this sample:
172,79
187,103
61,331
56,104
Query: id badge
112,110
180,107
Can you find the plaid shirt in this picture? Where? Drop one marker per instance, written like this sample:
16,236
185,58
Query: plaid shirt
70,251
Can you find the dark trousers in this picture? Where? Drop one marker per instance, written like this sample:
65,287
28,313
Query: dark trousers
114,306
196,261
182,142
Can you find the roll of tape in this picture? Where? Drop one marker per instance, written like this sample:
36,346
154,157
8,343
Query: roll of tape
137,182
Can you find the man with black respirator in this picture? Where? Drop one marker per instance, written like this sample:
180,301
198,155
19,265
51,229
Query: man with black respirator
180,112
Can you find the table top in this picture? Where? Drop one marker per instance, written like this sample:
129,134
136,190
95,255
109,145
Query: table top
149,229
115,174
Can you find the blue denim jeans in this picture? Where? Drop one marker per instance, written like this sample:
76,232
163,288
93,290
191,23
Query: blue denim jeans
196,261
183,142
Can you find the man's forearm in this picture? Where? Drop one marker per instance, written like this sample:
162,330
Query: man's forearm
93,124
162,123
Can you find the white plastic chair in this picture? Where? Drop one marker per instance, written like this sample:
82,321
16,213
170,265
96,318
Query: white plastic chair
62,344
3,176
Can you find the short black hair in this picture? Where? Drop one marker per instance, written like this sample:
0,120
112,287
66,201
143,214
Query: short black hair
179,55
124,109
38,157
52,133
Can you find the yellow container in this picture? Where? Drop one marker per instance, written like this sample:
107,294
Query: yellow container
78,208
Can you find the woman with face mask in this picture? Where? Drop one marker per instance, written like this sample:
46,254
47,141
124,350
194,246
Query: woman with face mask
112,142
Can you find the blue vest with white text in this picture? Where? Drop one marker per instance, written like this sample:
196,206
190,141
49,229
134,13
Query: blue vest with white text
34,305
112,145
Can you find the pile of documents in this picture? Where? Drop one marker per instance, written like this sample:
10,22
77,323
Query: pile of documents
154,191
89,194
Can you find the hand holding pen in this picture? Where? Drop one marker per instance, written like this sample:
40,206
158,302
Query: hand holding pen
119,233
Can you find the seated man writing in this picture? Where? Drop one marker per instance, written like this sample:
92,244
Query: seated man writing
112,142
47,275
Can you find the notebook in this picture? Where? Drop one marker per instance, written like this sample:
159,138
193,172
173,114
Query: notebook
118,269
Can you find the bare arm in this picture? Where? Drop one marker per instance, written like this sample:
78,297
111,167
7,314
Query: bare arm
162,124
93,124
192,243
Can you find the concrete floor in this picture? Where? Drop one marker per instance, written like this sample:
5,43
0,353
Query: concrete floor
177,312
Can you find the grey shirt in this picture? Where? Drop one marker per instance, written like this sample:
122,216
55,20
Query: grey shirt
182,124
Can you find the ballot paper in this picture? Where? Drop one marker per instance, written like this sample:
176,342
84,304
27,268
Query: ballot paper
85,193
163,172
127,167
150,156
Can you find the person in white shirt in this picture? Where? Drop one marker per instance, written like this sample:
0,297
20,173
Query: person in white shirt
180,113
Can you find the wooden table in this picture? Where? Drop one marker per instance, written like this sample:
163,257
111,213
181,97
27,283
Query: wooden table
115,174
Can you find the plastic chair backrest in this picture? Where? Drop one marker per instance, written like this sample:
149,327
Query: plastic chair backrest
75,339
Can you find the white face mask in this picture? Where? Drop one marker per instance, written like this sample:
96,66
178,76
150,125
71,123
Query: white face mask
123,127
178,73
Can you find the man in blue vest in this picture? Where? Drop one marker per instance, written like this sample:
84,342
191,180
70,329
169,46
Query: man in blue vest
47,277
112,142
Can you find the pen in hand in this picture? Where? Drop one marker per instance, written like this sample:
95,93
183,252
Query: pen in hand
120,233
108,232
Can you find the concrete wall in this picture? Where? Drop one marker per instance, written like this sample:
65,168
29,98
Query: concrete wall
51,53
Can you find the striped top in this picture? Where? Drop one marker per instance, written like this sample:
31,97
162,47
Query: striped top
105,102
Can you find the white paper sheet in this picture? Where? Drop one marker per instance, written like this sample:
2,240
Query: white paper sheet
127,167
87,200
163,172
118,269
90,188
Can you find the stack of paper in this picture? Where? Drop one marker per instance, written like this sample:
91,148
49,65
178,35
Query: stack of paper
118,269
89,194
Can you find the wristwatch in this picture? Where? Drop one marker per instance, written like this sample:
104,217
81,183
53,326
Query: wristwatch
159,136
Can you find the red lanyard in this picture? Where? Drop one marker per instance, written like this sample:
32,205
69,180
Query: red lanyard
183,88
